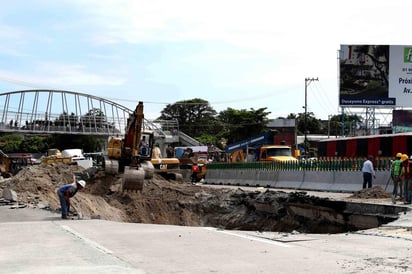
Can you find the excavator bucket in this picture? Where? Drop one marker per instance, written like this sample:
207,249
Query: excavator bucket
133,179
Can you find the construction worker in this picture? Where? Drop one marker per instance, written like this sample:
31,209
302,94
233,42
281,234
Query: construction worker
66,192
195,171
143,146
405,170
156,153
169,151
396,172
408,183
368,172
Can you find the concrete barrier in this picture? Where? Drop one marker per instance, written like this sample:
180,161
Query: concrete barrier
317,180
347,181
267,178
289,179
246,177
334,181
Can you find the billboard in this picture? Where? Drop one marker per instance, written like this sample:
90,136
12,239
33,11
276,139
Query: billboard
402,121
375,76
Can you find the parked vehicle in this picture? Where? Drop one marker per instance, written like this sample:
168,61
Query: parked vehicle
259,148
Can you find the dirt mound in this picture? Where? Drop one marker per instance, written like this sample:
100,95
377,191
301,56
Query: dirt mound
160,201
375,192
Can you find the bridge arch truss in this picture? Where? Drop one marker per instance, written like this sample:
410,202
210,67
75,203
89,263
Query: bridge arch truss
62,112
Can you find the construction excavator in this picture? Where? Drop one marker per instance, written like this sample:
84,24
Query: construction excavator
129,155
133,157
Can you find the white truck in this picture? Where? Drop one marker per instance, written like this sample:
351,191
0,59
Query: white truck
78,157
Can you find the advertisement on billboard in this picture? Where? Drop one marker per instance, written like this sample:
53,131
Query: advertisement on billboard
402,121
375,75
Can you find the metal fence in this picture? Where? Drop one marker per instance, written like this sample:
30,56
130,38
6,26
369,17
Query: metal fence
344,164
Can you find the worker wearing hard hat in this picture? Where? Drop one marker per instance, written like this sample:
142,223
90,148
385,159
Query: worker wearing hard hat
396,172
66,192
404,177
408,183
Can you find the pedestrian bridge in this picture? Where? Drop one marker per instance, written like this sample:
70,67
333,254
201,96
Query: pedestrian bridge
67,112
59,111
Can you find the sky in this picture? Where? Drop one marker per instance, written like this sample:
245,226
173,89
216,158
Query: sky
232,53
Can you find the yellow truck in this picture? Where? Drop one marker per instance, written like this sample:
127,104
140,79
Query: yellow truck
276,153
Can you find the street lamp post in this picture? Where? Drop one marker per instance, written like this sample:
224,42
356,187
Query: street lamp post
307,82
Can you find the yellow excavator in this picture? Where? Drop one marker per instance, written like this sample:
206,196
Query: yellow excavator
128,155
132,155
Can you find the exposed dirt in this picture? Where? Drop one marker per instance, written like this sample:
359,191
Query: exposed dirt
177,203
375,192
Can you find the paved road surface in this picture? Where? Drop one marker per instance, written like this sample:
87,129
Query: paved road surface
38,241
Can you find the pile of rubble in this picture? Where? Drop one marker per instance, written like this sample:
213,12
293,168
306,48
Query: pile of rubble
375,192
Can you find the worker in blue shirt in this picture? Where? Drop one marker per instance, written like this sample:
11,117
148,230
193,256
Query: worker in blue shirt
66,192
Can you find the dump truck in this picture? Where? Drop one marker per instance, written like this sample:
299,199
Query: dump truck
259,148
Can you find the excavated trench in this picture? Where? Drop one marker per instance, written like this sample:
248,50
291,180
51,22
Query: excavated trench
240,209
287,212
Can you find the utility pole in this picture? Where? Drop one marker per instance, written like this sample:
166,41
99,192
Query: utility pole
307,82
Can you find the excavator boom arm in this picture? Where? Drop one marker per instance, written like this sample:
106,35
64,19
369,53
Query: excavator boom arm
134,130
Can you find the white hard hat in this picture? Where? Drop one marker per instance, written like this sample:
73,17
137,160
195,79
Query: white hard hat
82,183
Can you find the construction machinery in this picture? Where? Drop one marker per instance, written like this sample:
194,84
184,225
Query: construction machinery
132,155
188,156
54,155
259,148
11,164
128,155
68,156
168,168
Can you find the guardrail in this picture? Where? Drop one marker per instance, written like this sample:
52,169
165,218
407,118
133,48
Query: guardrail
355,164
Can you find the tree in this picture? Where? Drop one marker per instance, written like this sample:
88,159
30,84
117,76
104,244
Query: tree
34,144
195,117
310,124
88,143
350,123
94,118
65,119
242,124
11,142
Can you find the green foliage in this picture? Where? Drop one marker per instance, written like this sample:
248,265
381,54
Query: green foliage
10,142
311,125
350,122
207,139
195,117
241,124
14,137
34,144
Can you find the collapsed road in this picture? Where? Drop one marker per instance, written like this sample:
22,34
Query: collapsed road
177,203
